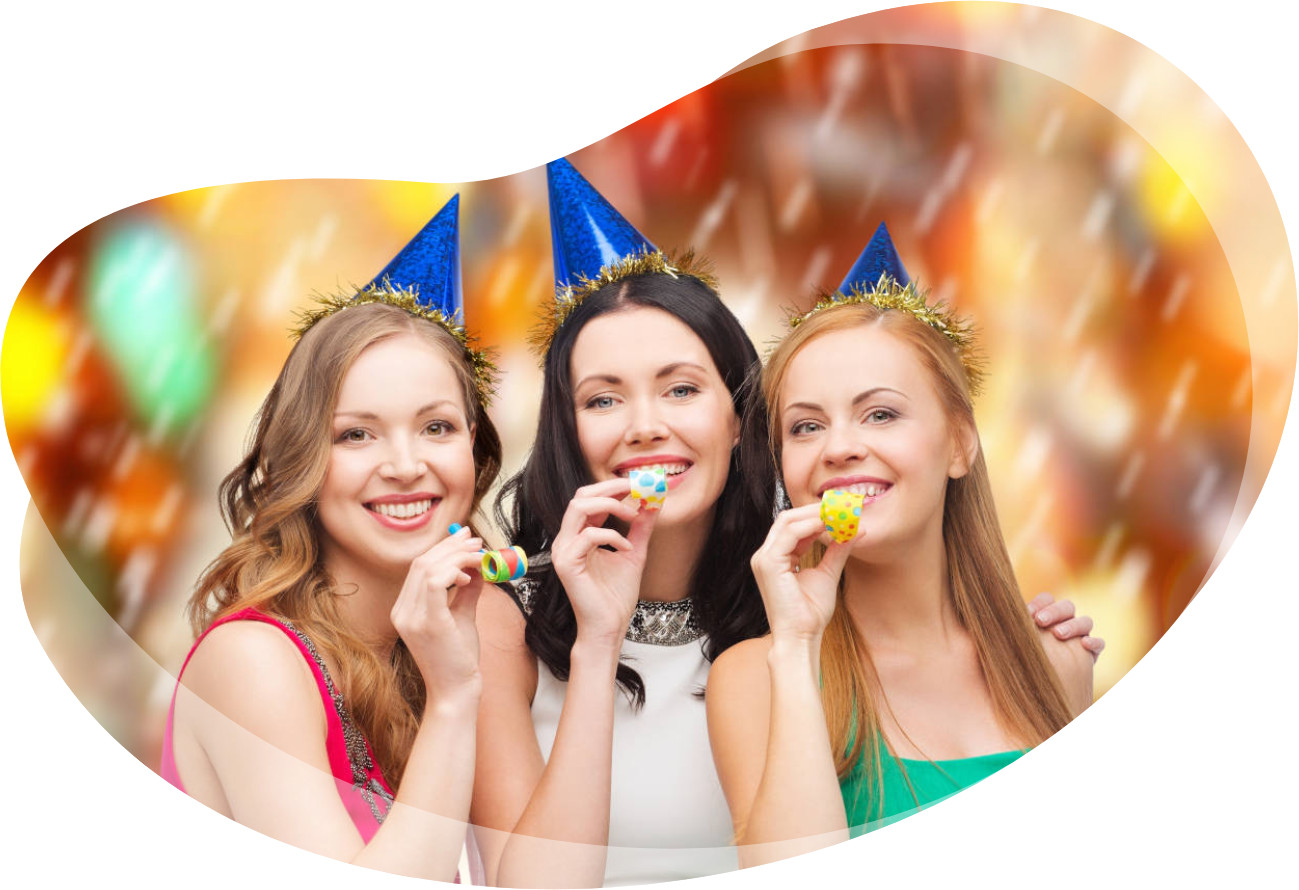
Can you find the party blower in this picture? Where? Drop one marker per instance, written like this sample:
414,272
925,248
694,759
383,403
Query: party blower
648,487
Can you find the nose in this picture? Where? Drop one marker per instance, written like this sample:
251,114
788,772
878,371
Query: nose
844,444
401,463
646,423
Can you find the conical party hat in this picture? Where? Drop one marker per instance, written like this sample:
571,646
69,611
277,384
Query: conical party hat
877,258
586,232
430,263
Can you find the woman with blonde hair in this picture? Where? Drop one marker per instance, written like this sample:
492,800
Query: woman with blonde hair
330,698
901,665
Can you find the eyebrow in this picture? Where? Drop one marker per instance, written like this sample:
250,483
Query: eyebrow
662,372
857,399
369,415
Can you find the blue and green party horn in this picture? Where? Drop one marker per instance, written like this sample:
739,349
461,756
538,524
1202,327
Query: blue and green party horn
509,564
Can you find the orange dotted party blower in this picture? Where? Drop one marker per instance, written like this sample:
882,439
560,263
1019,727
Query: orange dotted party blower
841,512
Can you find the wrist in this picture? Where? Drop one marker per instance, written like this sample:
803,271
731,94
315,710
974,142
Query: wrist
456,703
596,653
601,639
795,651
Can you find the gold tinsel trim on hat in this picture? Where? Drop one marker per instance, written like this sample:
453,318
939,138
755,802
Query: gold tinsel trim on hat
888,294
480,362
566,299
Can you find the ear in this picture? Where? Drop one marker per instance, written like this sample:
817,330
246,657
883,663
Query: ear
473,431
965,450
735,430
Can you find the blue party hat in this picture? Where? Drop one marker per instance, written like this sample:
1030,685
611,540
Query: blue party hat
879,257
424,280
430,264
586,232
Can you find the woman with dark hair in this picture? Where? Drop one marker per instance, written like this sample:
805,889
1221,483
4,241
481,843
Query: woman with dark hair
593,749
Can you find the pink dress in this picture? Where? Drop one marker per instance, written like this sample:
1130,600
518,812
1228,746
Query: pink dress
361,786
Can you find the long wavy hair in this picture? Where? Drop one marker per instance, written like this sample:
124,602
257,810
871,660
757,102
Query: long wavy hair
1029,700
269,503
531,505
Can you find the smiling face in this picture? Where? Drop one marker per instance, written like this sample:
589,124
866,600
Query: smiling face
859,411
647,393
401,464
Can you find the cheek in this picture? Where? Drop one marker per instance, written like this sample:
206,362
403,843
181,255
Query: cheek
461,472
339,477
717,438
795,468
597,437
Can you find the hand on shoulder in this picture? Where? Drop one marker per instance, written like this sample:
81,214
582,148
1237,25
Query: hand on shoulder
1074,664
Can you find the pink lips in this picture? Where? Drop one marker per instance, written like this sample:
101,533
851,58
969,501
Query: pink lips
404,524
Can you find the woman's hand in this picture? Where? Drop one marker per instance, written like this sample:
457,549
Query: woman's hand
799,602
434,615
1059,619
603,585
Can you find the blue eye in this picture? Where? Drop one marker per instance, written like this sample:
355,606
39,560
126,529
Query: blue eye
600,403
804,427
683,390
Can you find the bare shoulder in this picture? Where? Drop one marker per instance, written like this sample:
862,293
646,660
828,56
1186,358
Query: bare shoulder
246,666
499,618
505,660
1073,665
742,666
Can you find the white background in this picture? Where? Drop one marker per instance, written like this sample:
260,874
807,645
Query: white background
1182,774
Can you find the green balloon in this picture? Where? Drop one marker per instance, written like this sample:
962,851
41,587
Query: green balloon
142,308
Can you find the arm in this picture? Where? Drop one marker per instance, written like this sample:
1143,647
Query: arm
251,704
541,823
255,716
771,746
772,753
547,823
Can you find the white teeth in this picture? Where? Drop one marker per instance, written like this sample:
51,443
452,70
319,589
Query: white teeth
402,511
866,489
669,469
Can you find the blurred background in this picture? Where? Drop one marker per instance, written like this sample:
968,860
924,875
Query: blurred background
1123,396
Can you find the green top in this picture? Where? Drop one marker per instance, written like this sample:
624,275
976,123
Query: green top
932,781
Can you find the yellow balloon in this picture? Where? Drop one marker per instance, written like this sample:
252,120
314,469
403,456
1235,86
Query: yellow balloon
31,363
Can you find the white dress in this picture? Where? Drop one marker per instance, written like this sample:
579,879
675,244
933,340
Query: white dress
668,818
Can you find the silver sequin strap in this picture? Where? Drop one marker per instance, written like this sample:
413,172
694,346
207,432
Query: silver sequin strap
358,753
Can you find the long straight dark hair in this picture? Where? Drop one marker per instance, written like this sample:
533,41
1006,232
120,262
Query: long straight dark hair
531,505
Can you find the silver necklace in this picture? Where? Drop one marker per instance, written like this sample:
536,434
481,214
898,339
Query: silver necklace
655,623
664,624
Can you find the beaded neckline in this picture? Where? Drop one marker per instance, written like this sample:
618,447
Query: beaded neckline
358,751
653,623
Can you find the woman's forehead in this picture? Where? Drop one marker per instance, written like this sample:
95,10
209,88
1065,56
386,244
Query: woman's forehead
404,366
858,358
634,339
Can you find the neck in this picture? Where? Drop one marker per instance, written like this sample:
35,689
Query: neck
365,598
670,562
900,597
